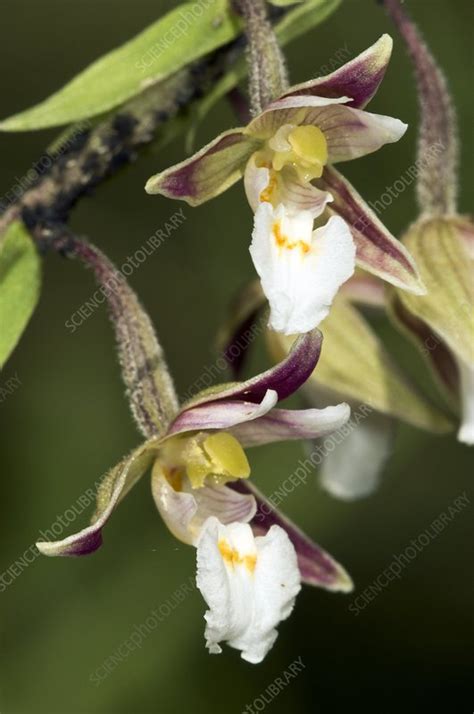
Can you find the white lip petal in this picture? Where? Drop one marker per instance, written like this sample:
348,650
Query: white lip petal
300,270
249,584
466,431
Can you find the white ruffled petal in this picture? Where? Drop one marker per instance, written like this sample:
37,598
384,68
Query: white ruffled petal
249,585
301,270
466,375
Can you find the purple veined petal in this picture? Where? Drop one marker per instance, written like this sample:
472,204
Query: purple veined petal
185,512
223,414
359,79
115,486
285,378
209,172
353,133
290,110
291,424
316,566
378,251
350,133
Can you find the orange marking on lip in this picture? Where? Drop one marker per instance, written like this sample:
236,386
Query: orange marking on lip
232,557
175,478
267,193
283,241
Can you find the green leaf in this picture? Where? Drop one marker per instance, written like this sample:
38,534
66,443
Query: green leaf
285,3
302,18
20,280
173,41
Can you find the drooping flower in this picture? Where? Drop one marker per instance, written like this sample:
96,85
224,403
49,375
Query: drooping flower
355,367
249,569
440,323
285,155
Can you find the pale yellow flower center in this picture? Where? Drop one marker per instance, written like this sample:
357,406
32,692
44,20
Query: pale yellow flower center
303,147
205,459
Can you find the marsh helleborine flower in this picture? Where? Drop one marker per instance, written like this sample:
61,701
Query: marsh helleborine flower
285,155
441,322
355,367
250,559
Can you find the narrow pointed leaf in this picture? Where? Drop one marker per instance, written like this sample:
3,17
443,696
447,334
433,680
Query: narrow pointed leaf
20,282
173,41
303,17
284,3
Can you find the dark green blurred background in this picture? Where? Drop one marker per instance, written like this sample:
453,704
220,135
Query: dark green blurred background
411,648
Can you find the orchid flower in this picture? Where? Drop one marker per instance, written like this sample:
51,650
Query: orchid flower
355,367
285,155
441,323
250,566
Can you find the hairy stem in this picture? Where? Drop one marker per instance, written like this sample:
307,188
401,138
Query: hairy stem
437,142
267,70
98,152
150,390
